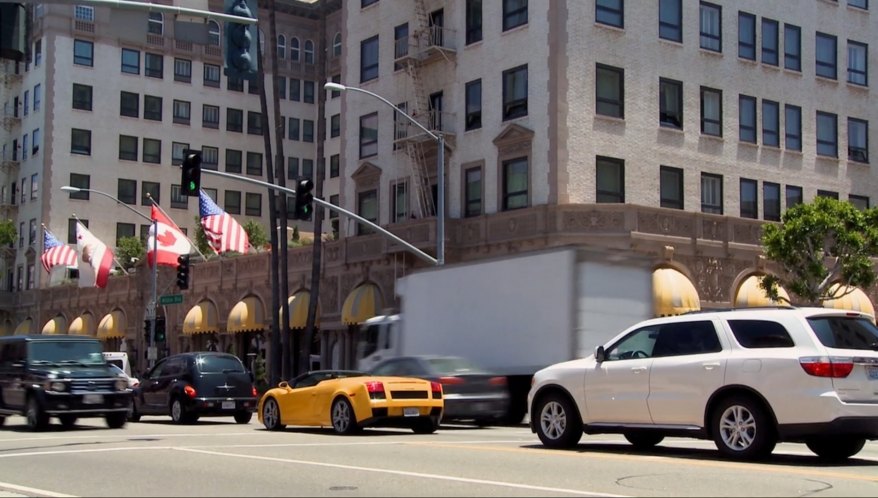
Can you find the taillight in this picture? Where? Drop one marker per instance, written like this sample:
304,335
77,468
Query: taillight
437,390
822,366
497,381
451,380
375,389
253,391
189,391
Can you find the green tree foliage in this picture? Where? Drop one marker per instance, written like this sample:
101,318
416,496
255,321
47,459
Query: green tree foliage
8,233
819,244
256,234
128,249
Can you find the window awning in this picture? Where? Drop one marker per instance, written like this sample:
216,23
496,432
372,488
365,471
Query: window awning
112,325
25,327
750,294
84,324
855,301
673,293
246,316
299,303
362,303
201,319
6,328
55,326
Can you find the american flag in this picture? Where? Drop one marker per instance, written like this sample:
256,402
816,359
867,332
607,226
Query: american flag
223,232
55,253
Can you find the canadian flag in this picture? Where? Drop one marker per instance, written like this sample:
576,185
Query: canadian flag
171,241
95,258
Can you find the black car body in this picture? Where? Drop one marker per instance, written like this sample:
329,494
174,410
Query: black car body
187,386
43,376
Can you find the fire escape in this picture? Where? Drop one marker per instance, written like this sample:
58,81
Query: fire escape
428,44
10,78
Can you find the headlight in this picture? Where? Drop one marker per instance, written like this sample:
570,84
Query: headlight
121,384
57,386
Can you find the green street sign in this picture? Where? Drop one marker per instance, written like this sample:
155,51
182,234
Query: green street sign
171,299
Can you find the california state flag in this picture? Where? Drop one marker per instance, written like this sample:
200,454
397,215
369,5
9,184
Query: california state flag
170,239
95,258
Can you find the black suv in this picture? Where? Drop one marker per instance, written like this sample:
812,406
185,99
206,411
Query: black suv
187,386
44,376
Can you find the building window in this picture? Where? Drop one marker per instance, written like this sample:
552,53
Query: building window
282,87
254,163
37,96
610,180
400,45
234,120
711,27
281,46
827,193
369,135
609,12
82,97
254,123
295,90
154,65
769,42
80,141
293,129
610,91
127,148
711,193
473,21
671,187
234,84
336,45
794,196
210,158
34,185
473,97
514,14
308,92
253,204
35,144
746,36
232,203
671,20
309,52
178,200
308,168
38,53
399,205
860,202
515,184
858,140
827,134
473,191
82,182
129,104
793,127
770,123
826,56
770,201
83,53
152,108
307,130
515,92
858,57
369,59
749,201
334,165
294,49
127,191
335,125
183,70
213,33
150,190
860,4
211,75
233,161
84,13
711,111
792,47
156,24
747,119
367,207
671,103
178,150
210,116
293,168
152,151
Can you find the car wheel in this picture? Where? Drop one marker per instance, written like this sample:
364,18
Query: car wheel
425,425
271,415
558,424
343,419
67,421
243,417
37,420
116,420
178,413
644,440
835,449
2,420
742,429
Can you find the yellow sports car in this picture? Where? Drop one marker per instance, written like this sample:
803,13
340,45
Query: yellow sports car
348,400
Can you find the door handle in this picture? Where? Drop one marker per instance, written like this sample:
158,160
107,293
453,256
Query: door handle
710,366
638,370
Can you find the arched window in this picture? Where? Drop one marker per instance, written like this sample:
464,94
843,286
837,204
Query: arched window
294,49
156,23
281,46
336,45
309,52
213,33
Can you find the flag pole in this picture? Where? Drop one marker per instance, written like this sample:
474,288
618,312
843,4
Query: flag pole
191,242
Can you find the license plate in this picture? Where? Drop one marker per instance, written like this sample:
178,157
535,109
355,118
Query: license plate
411,412
872,372
228,405
92,399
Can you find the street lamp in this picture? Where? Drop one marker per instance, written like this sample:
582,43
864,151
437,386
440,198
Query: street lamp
150,309
440,166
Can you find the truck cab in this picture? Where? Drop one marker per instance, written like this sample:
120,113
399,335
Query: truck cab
380,339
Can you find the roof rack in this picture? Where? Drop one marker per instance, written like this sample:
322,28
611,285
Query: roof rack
745,308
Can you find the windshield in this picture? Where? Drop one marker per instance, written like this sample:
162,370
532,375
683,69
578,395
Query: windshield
225,363
86,353
453,366
845,333
116,370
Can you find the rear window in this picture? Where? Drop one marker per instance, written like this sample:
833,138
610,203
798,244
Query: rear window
845,333
755,334
453,366
219,364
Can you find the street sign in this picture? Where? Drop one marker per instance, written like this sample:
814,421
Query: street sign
171,299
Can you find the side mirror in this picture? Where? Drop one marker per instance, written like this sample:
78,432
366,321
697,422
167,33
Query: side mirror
599,354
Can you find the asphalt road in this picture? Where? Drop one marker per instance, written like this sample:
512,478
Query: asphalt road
217,457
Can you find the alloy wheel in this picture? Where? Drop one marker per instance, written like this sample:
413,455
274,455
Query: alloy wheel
270,414
341,416
737,427
553,420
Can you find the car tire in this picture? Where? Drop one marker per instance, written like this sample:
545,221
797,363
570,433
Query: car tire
557,423
2,420
179,414
344,421
271,415
742,429
836,448
425,425
67,420
37,420
644,440
116,420
243,417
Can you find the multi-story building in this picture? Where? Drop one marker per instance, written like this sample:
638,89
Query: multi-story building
672,128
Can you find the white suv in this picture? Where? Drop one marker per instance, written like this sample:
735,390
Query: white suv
745,378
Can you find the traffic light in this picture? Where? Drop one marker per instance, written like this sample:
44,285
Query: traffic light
304,199
241,39
183,271
160,329
146,331
190,182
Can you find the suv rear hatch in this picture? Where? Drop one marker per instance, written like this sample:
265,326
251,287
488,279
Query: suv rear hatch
852,343
224,376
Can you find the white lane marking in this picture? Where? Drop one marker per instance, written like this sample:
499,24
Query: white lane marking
405,473
35,491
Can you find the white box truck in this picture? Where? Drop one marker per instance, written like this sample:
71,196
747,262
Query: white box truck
514,315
